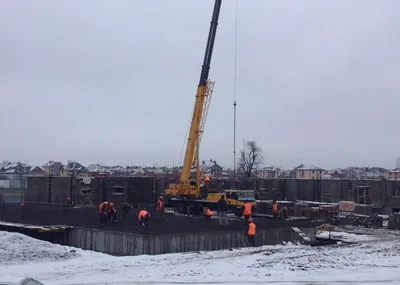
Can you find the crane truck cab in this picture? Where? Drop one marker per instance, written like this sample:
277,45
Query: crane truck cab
235,199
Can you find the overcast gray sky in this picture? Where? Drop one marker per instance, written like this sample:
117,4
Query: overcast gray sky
114,81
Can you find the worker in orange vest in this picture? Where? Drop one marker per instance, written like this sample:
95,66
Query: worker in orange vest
247,211
144,217
275,209
104,209
160,208
207,214
251,232
207,181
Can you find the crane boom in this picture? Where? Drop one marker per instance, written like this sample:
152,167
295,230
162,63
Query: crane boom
184,188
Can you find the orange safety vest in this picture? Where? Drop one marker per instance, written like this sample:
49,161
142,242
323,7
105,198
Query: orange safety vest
160,206
208,212
247,209
143,213
207,179
252,229
275,209
104,207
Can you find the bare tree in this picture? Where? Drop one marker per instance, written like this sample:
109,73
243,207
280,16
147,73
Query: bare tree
250,158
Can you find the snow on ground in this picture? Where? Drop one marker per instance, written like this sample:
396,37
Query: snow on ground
20,249
346,236
375,260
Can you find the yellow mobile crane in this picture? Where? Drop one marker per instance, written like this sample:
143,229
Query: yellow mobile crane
188,194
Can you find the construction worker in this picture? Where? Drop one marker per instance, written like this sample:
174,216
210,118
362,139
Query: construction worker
251,232
144,217
247,211
112,214
160,208
223,212
207,214
207,182
123,210
103,212
284,212
275,209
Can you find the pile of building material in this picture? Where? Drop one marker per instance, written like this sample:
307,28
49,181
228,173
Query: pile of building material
342,213
368,221
394,221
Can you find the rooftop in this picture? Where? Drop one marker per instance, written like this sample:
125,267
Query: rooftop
307,167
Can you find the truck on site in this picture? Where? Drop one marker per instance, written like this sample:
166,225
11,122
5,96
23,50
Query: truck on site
187,196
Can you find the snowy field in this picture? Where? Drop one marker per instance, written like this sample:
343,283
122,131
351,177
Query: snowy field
375,261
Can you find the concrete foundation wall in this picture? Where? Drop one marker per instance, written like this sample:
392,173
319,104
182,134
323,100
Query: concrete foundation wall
117,243
385,195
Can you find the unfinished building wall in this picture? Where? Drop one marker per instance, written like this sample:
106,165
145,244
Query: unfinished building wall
37,189
392,197
141,190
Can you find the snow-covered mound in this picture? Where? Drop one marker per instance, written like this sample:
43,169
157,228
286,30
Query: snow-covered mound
345,236
16,248
376,259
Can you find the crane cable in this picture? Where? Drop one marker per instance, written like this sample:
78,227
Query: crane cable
234,90
184,145
235,51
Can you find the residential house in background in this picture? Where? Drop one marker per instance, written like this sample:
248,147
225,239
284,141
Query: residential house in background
97,170
286,174
269,172
376,173
394,174
371,173
13,180
227,173
39,171
138,172
308,172
355,173
327,175
74,168
156,171
19,168
216,170
338,173
118,170
119,173
211,167
53,168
